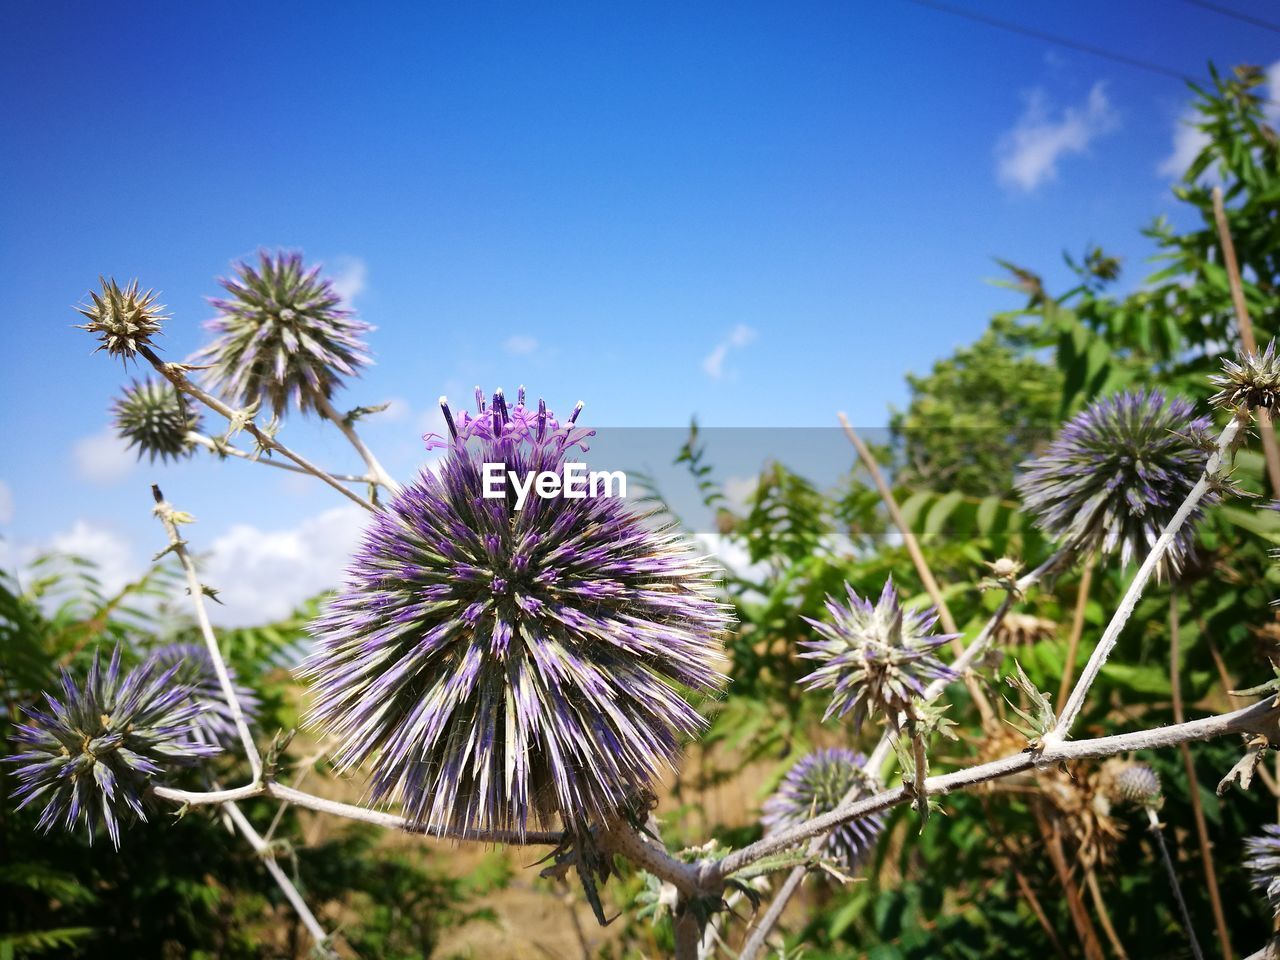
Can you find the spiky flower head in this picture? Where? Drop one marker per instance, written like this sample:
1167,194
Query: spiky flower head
497,666
1135,783
1264,863
1116,474
215,724
816,785
875,657
152,416
92,752
124,319
282,336
1249,383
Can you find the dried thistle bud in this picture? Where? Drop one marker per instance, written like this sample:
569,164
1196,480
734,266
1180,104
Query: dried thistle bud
1264,863
214,725
91,755
1116,474
495,666
1006,568
1136,783
1252,382
282,336
154,417
876,658
816,785
123,319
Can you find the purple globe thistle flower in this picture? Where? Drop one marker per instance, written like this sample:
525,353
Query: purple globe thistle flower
497,665
92,754
282,336
1117,473
124,319
152,416
1251,382
816,785
875,658
1264,863
214,725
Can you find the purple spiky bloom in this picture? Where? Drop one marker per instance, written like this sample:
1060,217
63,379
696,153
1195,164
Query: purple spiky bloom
1250,382
1264,863
1116,474
816,785
152,416
282,336
214,725
497,666
123,318
93,752
875,658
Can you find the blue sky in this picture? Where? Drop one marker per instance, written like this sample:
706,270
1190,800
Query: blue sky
755,213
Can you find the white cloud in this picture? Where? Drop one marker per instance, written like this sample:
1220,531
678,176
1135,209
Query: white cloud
349,276
112,554
739,337
739,491
102,458
1028,155
1188,141
262,575
519,345
6,503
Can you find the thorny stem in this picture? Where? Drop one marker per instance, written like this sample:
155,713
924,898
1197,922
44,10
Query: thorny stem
875,761
169,517
1212,472
173,372
1258,718
263,849
1158,833
348,811
225,449
376,471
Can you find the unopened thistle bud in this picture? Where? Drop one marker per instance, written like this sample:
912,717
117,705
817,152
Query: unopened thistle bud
876,658
497,666
154,417
1250,383
1134,783
91,754
1117,473
816,785
123,319
282,336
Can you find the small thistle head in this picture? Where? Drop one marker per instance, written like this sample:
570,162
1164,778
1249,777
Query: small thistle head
1135,783
123,319
282,336
1251,382
1116,474
496,666
876,658
152,416
214,725
91,753
1263,861
816,785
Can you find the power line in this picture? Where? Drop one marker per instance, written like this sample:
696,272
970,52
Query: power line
1234,14
1054,39
1067,42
